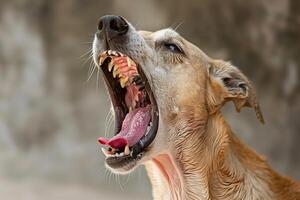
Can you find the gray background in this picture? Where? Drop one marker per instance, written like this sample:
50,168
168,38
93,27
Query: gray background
50,116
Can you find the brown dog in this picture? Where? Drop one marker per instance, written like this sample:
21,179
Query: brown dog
167,95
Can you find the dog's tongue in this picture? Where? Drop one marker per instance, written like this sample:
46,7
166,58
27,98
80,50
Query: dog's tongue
133,129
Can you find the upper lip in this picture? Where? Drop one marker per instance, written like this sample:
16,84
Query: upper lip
121,109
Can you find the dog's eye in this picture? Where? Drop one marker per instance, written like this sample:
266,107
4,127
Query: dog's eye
173,47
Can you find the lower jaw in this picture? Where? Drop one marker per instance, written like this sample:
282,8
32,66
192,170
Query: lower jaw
123,164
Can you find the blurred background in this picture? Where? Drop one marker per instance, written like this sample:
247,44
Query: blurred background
51,116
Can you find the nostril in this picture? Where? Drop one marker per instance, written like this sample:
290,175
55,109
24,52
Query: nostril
100,25
119,25
114,25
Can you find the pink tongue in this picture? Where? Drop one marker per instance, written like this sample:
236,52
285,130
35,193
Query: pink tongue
133,129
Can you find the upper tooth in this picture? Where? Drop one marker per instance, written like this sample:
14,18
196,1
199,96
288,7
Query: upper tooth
128,62
110,66
110,52
123,81
101,60
114,53
115,71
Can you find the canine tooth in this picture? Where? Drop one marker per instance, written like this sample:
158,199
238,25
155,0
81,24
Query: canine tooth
110,66
106,152
110,52
126,150
101,60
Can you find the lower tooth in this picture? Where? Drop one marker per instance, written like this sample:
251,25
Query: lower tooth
106,152
127,150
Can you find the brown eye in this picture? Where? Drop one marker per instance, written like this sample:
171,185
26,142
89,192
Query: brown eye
173,48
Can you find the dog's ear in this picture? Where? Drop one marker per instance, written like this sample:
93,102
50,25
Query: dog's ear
231,84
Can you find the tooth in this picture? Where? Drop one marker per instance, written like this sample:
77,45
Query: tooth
123,81
105,152
101,60
115,71
110,66
128,62
126,150
110,52
114,53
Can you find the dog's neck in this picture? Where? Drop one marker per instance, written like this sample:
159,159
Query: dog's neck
209,163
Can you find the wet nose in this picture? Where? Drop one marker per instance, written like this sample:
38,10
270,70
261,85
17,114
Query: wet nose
113,25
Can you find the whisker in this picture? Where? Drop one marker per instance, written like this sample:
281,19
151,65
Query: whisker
86,53
92,72
97,84
175,29
87,59
108,121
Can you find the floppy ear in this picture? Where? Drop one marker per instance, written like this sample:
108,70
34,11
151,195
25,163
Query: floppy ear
234,86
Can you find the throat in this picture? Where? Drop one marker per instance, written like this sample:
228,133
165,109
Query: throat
165,177
204,162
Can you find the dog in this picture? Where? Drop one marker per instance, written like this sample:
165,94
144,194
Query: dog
167,97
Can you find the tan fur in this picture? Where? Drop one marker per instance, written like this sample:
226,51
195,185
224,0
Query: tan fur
195,154
205,160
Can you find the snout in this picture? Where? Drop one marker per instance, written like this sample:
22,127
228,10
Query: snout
111,27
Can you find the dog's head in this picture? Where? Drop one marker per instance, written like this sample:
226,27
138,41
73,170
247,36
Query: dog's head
161,86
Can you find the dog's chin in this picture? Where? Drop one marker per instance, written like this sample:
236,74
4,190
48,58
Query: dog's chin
125,169
130,166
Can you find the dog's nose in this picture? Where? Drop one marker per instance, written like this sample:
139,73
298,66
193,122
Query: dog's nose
113,25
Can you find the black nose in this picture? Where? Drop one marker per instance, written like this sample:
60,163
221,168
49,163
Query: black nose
113,25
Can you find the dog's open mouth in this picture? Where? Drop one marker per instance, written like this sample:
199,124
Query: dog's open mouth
136,113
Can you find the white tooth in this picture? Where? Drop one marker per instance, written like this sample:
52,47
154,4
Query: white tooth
110,52
101,60
114,53
121,154
126,150
105,152
110,66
